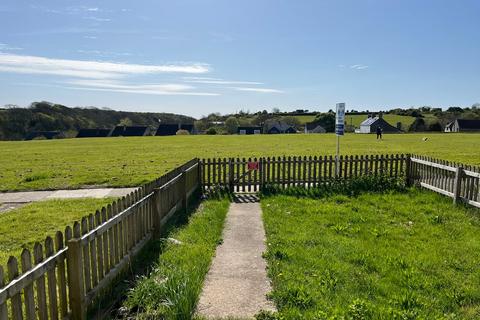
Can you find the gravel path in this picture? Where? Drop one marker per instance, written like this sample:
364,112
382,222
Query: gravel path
237,283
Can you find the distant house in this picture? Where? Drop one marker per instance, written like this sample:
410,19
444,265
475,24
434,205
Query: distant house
130,131
463,125
314,128
93,133
278,128
43,135
171,129
249,130
371,124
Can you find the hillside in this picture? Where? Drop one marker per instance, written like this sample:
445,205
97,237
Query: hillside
16,122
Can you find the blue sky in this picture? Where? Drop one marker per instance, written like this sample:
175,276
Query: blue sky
197,57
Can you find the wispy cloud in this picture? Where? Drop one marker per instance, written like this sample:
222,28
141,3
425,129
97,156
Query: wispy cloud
97,19
260,90
151,89
206,80
105,53
359,67
6,47
90,69
91,37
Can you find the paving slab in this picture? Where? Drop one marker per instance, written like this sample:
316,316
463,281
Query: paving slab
236,284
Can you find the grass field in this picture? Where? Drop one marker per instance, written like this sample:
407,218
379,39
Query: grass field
409,255
74,163
21,228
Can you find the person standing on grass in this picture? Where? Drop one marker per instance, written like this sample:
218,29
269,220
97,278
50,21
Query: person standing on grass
379,133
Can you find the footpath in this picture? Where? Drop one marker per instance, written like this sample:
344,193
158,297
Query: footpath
236,284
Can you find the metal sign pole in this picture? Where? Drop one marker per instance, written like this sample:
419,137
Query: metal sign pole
339,131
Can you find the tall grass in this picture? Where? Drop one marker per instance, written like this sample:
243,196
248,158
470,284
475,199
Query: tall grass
172,289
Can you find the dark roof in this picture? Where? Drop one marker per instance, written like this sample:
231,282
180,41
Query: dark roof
129,131
249,129
93,133
280,127
469,124
313,125
46,134
376,122
171,129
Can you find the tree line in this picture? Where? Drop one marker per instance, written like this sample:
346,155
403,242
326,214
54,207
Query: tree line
16,122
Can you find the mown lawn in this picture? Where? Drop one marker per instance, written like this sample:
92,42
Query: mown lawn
73,163
21,228
172,289
409,255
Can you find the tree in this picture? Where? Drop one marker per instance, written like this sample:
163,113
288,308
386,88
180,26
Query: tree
276,110
211,131
125,122
326,120
292,121
417,125
232,124
435,126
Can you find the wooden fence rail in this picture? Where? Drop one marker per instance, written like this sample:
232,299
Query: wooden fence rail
249,175
70,271
455,180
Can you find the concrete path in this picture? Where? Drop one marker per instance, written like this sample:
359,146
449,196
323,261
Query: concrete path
11,200
237,283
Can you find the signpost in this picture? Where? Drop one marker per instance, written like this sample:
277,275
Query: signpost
339,131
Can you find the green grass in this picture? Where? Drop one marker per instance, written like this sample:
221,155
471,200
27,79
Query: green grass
73,163
409,255
21,228
172,289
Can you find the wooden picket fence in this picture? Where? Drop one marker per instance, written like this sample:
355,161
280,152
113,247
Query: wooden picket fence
250,175
455,180
70,271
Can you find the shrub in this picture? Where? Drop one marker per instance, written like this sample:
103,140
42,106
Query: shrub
351,187
211,131
182,132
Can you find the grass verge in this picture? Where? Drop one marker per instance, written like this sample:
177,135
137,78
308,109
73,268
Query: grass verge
409,255
21,228
172,289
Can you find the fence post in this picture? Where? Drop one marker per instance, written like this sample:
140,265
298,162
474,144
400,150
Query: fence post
230,175
184,192
199,177
75,279
261,173
157,212
408,171
457,186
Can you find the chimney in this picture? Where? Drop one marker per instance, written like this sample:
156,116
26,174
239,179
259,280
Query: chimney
380,115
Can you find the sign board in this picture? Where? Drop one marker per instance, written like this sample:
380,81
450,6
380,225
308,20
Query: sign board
253,165
340,119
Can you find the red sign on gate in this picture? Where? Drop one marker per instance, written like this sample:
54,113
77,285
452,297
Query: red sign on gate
253,165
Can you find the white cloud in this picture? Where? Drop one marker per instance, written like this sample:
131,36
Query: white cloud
207,80
151,89
90,69
97,19
6,47
92,9
358,67
90,37
261,90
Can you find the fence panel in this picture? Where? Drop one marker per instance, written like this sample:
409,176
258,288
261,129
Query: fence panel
457,181
63,281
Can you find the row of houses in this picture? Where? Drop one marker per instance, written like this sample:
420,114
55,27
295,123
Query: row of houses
369,125
118,131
